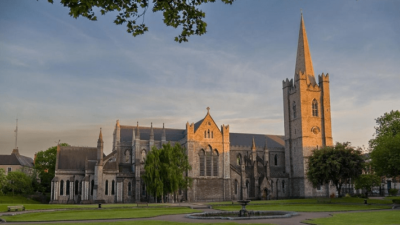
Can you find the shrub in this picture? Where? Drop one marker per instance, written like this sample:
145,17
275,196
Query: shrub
393,192
347,195
396,201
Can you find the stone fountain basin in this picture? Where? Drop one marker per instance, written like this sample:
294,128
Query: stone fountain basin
234,215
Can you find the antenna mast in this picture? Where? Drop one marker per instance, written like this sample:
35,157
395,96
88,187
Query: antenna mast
16,135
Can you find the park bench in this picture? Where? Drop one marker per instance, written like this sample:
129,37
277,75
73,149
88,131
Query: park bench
142,204
16,207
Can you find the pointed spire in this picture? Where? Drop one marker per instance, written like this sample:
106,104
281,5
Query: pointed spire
151,131
100,136
118,123
163,136
137,131
253,147
303,58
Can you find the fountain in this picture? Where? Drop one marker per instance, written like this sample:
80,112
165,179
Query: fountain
243,214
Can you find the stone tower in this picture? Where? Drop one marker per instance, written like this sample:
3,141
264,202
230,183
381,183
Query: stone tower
307,117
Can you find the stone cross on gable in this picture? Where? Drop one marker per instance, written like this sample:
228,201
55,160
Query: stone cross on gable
208,109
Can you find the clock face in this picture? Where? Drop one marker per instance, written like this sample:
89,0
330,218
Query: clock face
315,130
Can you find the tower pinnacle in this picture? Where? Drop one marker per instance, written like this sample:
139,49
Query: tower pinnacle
303,57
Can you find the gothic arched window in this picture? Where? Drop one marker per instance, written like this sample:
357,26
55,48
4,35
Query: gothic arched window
276,159
209,162
208,133
215,163
205,134
91,187
62,187
106,188
76,187
112,187
283,186
129,189
248,188
294,110
201,159
272,186
212,134
315,107
68,184
236,187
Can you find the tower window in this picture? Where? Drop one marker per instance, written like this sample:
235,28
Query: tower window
238,159
215,163
113,187
294,110
276,160
315,107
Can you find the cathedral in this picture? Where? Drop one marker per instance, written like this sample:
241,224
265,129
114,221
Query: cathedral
225,166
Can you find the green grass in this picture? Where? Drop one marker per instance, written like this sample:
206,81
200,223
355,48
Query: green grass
97,214
304,207
3,207
313,201
151,222
16,200
365,218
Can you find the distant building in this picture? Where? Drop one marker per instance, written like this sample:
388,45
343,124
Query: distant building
16,162
225,165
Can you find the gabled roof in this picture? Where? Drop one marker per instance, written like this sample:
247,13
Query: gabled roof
16,159
9,160
74,158
273,141
171,134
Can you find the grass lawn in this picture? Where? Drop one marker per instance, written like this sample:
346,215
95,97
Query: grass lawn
314,201
152,222
304,207
17,199
3,207
365,218
97,214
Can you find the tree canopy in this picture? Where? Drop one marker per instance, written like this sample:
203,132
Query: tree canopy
45,165
385,155
165,170
19,182
184,13
367,181
3,180
337,164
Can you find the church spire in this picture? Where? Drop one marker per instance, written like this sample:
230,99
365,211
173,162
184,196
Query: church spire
303,58
100,137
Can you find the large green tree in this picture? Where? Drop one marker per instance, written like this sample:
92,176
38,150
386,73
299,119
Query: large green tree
184,13
45,165
337,164
166,170
367,181
385,155
19,182
3,180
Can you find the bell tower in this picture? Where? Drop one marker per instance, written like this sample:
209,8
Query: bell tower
307,117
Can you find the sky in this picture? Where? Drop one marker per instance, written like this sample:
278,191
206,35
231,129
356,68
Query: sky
64,78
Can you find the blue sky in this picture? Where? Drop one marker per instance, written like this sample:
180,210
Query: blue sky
64,78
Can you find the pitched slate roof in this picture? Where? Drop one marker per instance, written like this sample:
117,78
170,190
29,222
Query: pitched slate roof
273,141
73,158
171,134
16,159
9,160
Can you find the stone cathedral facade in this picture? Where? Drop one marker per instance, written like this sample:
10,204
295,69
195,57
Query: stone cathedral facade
225,165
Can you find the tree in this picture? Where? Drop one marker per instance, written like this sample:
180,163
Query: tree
337,164
165,170
385,155
19,182
367,181
3,180
45,164
185,13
